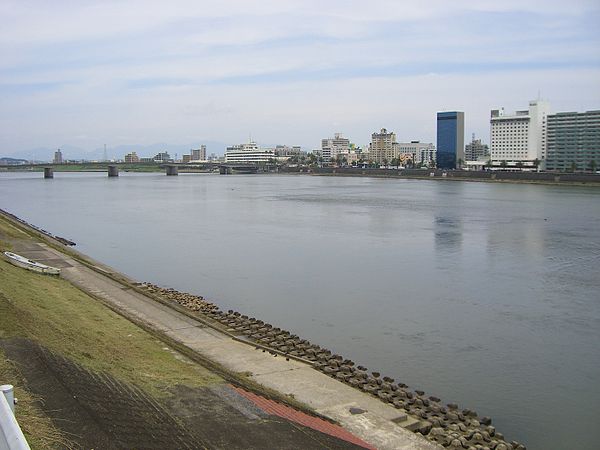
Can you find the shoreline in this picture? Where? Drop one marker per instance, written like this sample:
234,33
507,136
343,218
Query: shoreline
440,424
538,178
502,177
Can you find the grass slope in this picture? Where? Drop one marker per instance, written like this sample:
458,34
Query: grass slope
64,319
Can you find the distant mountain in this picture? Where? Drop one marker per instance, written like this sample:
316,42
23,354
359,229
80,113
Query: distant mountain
70,152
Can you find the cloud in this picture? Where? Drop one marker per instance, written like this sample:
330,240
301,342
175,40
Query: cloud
289,71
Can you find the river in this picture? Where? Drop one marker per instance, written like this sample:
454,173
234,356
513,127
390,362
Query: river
484,294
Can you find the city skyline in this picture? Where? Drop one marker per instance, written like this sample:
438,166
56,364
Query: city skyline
138,74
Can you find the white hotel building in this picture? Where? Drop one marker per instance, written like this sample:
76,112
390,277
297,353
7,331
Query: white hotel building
518,139
248,153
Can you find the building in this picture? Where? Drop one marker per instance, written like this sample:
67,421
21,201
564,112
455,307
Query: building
58,159
518,140
476,150
248,153
284,152
573,141
383,147
162,157
418,153
450,139
331,147
132,157
198,154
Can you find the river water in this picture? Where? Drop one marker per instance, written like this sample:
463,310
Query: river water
483,294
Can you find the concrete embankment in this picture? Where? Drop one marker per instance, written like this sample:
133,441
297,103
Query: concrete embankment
381,411
425,414
565,179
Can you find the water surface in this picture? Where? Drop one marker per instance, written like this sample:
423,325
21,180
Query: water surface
485,294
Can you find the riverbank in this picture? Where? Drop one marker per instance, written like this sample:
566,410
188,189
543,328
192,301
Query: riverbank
91,375
546,178
496,176
387,400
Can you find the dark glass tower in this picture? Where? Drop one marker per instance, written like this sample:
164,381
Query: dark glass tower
450,139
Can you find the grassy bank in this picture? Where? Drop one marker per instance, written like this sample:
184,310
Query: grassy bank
53,313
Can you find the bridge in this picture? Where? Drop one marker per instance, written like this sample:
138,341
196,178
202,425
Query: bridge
169,168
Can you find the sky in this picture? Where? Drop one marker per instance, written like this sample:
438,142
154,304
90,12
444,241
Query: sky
88,73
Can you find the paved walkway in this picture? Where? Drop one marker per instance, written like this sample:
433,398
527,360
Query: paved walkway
377,425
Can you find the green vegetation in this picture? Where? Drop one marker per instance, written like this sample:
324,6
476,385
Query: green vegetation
54,313
69,322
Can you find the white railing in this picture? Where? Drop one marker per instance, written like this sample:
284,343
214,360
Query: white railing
11,436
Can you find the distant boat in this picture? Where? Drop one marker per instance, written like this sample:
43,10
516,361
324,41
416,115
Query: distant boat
25,263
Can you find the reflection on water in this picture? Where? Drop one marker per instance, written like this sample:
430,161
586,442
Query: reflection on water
484,294
448,233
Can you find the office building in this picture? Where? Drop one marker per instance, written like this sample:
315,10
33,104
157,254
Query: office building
331,147
162,157
450,139
573,141
383,147
283,152
57,157
132,157
419,153
198,154
476,150
517,140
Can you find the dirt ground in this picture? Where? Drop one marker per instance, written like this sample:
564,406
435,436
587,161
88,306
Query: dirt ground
97,411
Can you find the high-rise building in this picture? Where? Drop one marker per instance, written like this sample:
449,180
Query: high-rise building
450,139
198,154
518,140
57,157
476,150
331,147
383,147
573,141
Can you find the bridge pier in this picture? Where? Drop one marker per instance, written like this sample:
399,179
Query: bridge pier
171,170
48,172
113,171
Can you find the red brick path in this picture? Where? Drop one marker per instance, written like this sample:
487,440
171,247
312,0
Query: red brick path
277,409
